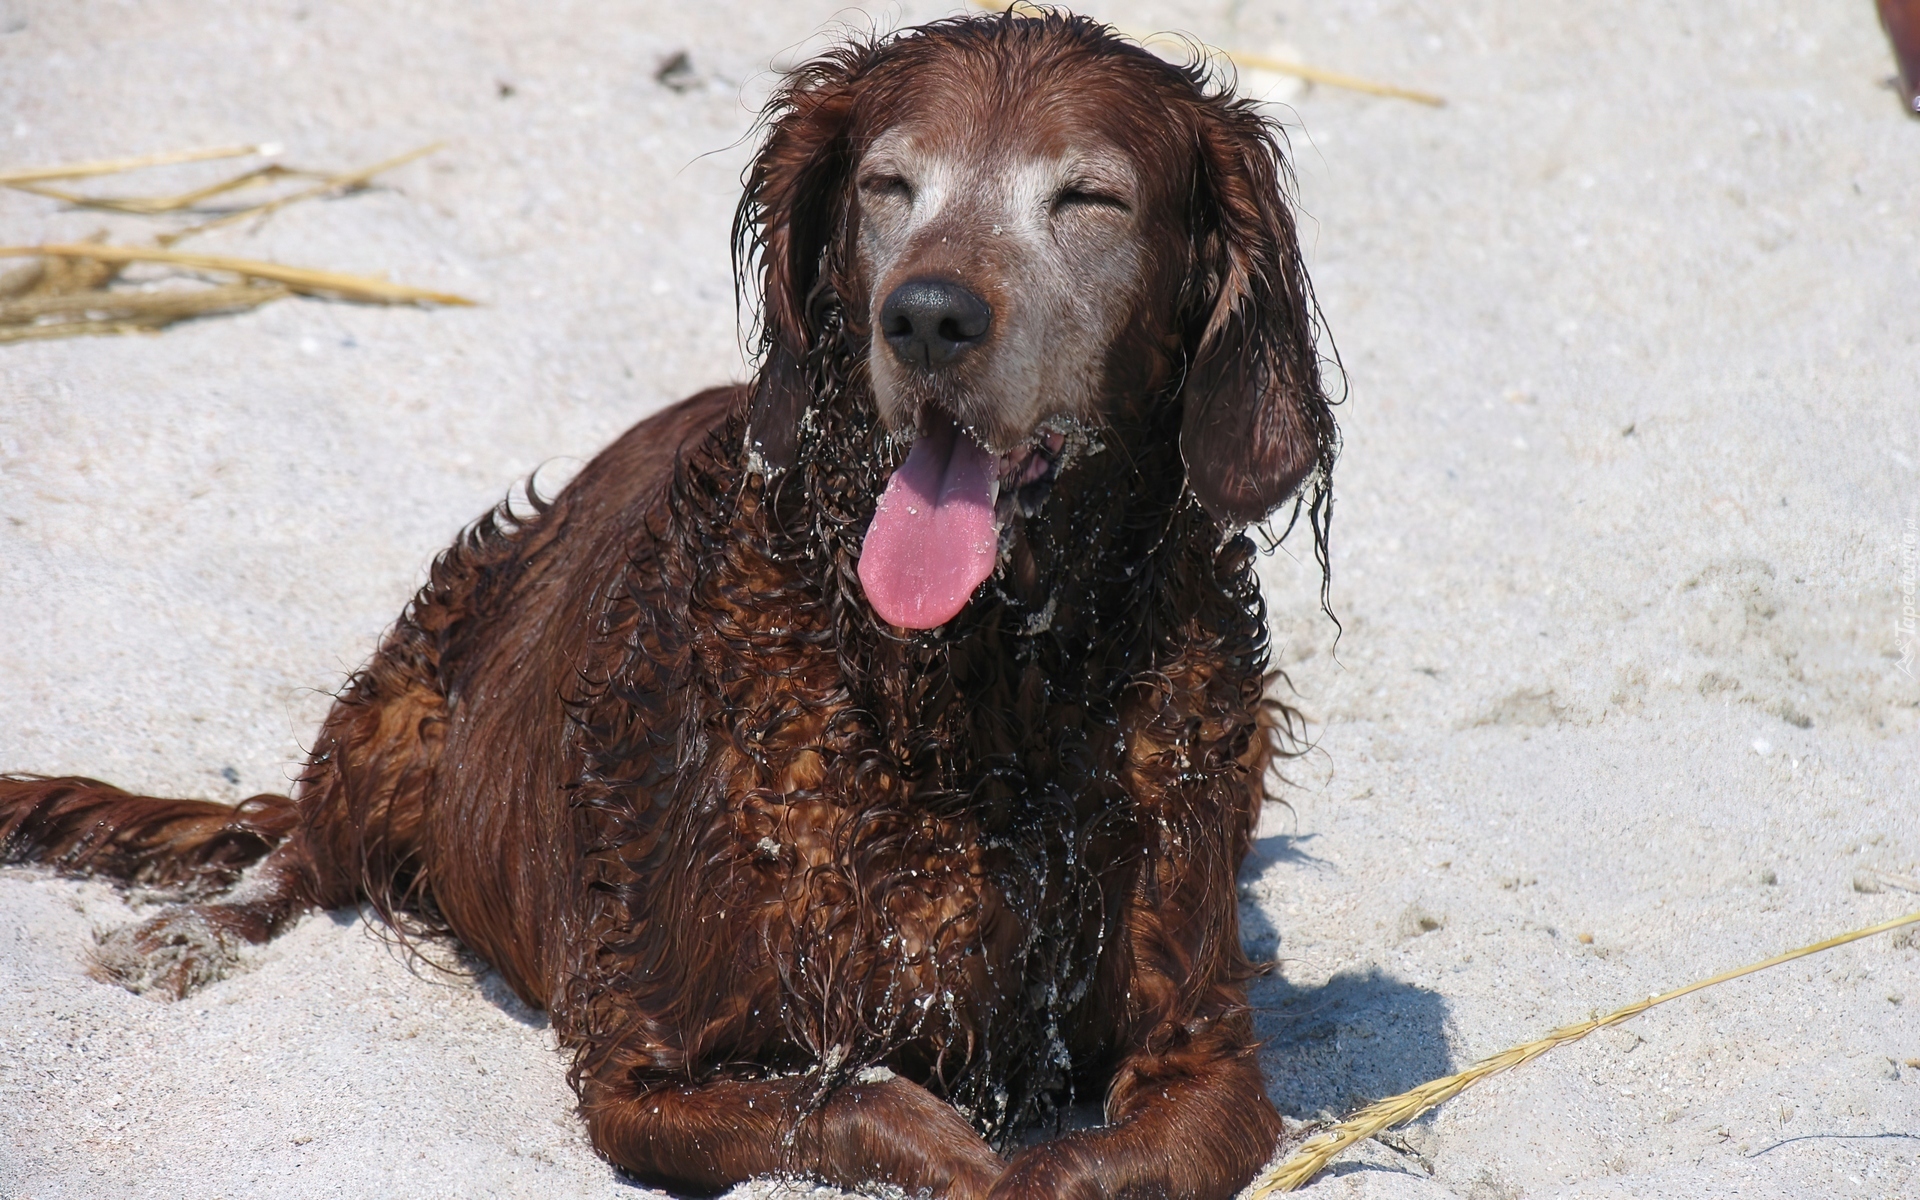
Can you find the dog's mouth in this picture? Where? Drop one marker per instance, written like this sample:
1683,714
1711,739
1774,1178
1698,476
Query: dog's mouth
935,534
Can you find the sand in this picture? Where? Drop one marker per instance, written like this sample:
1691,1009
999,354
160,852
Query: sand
1632,337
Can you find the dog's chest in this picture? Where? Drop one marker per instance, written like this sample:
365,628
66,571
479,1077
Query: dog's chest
931,905
916,853
886,937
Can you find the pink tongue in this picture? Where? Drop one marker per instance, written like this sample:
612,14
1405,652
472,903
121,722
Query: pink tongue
933,537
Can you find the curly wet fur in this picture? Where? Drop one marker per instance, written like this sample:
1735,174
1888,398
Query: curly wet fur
646,749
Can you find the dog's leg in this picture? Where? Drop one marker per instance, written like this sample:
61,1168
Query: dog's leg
1193,1122
365,792
1187,1113
352,833
709,1137
357,835
197,847
187,946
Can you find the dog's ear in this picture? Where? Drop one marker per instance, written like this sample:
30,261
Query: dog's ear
797,193
1255,422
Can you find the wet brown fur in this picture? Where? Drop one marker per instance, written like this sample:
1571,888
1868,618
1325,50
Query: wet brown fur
802,892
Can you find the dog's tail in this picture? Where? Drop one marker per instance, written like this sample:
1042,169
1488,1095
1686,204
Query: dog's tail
84,827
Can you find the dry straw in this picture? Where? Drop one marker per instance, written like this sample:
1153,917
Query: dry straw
65,291
114,166
68,287
1378,1117
35,181
149,206
66,314
363,288
1279,66
332,185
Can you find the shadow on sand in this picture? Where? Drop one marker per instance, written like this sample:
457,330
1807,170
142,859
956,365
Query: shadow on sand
1359,1037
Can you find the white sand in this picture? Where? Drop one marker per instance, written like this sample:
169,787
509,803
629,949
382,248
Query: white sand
1633,335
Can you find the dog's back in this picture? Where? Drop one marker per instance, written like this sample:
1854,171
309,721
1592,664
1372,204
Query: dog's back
437,788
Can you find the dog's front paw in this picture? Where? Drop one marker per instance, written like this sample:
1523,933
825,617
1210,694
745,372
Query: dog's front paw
182,949
1055,1170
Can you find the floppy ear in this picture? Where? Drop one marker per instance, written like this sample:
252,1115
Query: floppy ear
1255,422
796,198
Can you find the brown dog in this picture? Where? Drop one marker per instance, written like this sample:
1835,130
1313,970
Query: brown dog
856,764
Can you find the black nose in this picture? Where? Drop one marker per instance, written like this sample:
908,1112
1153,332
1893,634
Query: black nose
931,322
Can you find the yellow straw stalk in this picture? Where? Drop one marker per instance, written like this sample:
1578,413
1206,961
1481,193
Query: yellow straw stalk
1382,1115
299,279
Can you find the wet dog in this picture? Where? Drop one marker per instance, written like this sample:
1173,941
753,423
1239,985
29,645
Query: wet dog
856,763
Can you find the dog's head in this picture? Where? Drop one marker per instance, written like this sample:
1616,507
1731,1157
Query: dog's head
1025,223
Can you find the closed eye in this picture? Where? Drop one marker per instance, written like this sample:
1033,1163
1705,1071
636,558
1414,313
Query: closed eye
887,185
1081,196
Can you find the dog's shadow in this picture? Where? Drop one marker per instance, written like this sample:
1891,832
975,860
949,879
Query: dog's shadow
1360,1036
